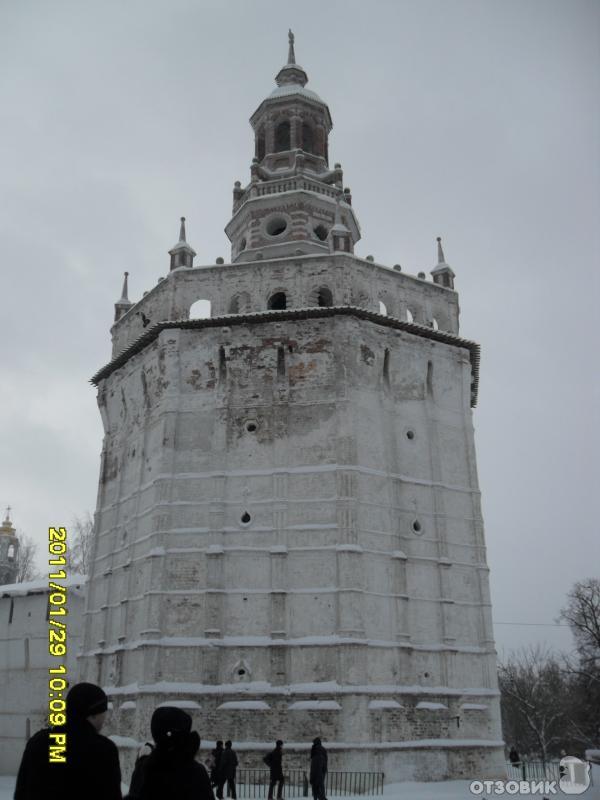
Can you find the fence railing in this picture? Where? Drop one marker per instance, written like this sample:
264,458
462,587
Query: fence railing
534,770
254,783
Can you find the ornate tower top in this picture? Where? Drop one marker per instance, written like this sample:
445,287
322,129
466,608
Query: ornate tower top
7,527
291,72
9,550
289,206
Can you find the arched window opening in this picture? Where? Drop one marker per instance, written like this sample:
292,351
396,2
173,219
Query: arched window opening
409,315
282,137
308,139
222,363
243,244
200,310
382,308
11,552
260,146
434,324
277,302
324,297
321,232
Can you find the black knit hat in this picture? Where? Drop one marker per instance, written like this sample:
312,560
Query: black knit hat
168,722
85,700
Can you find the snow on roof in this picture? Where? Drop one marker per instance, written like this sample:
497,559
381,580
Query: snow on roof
315,705
265,688
424,705
375,705
127,705
295,88
256,705
473,707
191,704
39,586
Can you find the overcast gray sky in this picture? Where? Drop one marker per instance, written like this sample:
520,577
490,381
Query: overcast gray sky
474,120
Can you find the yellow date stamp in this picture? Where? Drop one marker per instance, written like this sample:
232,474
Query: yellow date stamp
57,643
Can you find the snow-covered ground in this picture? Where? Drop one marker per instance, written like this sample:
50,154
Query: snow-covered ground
444,790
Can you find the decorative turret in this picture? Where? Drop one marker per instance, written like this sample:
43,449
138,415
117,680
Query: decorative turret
123,304
340,237
9,551
182,254
443,274
288,208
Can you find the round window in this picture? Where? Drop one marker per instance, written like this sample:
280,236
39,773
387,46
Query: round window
276,226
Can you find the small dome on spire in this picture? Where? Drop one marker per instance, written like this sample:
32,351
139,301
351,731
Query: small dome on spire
182,254
292,72
7,526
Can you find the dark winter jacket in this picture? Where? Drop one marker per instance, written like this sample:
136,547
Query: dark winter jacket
229,762
91,770
215,772
273,761
318,763
169,776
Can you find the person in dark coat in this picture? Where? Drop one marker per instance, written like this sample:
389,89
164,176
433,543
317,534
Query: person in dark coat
229,762
171,771
318,769
91,768
215,773
274,761
514,757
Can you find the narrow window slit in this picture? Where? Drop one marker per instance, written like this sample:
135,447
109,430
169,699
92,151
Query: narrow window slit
386,367
280,362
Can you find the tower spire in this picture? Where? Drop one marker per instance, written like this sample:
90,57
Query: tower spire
442,273
182,255
292,72
291,54
182,230
441,259
124,296
123,304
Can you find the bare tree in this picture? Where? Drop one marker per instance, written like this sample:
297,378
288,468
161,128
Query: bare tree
533,688
582,614
26,567
80,544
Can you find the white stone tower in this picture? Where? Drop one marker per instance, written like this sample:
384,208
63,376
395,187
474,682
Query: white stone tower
9,551
288,533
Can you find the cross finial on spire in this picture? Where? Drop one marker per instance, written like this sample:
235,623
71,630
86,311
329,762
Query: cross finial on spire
182,230
8,510
291,54
441,259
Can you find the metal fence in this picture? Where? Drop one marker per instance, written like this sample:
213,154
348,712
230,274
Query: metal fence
534,770
254,783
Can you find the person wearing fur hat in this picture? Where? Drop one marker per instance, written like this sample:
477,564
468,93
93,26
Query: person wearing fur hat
91,768
171,771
